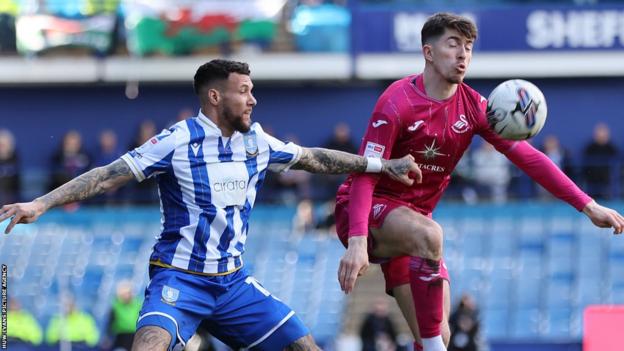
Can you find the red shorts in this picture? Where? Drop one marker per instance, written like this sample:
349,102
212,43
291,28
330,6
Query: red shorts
395,269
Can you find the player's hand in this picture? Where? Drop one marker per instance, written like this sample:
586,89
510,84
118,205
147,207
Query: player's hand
25,212
401,169
353,263
604,217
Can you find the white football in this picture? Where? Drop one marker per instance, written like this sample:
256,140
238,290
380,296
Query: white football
516,109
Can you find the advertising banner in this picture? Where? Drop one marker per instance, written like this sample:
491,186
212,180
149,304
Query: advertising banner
517,28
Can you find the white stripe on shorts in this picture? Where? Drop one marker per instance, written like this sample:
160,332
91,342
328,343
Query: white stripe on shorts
272,330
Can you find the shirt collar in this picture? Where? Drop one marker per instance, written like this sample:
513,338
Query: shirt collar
211,125
208,122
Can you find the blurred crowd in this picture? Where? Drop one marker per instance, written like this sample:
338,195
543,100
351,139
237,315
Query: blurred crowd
169,27
379,330
483,174
486,175
74,328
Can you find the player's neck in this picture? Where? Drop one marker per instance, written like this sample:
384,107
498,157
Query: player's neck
212,115
436,86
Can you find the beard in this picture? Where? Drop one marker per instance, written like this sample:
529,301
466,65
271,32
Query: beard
236,121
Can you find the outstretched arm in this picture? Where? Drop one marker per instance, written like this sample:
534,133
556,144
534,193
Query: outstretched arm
319,160
94,182
545,172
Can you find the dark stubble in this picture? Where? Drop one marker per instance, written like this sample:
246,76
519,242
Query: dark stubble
235,121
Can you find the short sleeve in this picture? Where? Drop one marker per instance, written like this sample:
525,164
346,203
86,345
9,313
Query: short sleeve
153,157
282,155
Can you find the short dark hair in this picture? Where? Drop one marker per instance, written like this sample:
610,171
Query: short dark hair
217,70
441,21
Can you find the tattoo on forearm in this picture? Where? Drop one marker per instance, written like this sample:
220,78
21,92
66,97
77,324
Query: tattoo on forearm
96,181
318,160
305,343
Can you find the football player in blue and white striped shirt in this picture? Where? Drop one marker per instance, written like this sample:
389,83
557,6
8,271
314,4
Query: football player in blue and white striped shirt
209,169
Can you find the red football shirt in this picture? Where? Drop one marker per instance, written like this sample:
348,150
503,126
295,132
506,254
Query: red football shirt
437,133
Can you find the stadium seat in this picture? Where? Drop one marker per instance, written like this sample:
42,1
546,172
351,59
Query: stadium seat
527,323
496,322
559,322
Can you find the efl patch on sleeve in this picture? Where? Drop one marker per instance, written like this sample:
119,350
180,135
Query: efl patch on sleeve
374,150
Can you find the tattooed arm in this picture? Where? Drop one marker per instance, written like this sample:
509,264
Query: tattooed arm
318,160
305,343
94,182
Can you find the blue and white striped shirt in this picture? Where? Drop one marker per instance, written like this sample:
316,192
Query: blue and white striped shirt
207,185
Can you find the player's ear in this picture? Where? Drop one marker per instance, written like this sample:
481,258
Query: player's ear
427,54
214,96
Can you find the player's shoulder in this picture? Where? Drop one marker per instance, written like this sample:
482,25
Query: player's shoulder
475,104
399,85
256,127
181,126
392,102
182,130
473,96
256,132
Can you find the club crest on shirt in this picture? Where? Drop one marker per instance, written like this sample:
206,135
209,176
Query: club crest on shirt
251,144
461,126
170,295
378,210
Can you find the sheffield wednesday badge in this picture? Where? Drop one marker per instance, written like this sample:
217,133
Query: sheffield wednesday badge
170,295
251,144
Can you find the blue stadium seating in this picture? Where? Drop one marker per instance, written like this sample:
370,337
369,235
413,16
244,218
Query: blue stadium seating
532,269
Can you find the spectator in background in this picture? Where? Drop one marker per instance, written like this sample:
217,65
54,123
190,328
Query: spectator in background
598,155
23,331
325,187
557,153
107,152
341,139
462,186
145,192
464,324
146,130
70,160
327,219
303,221
560,157
123,317
377,331
108,148
184,114
74,326
8,13
294,185
9,168
491,172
